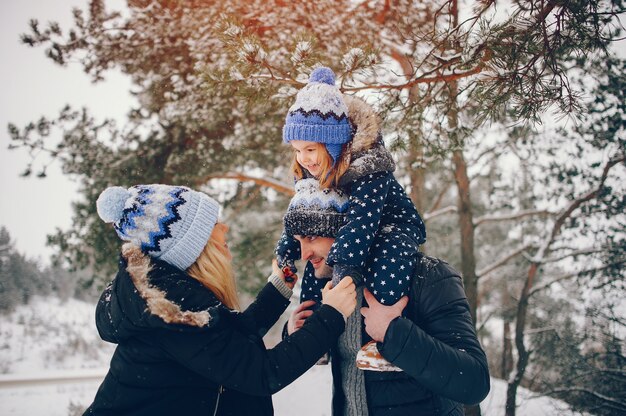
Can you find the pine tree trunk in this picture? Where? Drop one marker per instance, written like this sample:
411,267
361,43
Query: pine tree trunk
466,223
418,178
464,204
522,353
507,352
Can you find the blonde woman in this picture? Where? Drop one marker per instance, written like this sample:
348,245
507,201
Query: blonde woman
182,345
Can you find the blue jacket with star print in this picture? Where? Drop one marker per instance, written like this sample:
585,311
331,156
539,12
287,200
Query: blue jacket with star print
378,204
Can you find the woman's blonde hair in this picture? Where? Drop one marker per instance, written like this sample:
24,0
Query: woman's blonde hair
330,173
214,270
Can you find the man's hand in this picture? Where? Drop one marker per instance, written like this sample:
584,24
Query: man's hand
378,317
299,315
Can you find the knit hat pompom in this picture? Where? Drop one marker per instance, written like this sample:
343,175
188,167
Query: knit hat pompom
110,203
322,75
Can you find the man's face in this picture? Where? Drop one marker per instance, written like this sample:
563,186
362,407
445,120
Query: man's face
315,249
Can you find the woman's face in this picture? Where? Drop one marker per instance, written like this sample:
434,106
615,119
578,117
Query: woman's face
219,236
308,155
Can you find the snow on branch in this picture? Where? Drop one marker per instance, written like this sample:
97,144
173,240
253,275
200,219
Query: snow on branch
511,216
267,182
566,255
430,215
615,403
454,76
539,288
502,261
442,193
573,206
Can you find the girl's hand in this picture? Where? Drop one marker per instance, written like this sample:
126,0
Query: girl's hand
341,297
299,315
291,282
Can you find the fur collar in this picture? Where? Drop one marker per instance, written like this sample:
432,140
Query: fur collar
139,266
365,121
366,152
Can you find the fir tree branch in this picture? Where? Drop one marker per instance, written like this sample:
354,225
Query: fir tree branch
455,76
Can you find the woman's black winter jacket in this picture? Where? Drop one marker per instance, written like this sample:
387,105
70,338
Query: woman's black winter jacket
180,351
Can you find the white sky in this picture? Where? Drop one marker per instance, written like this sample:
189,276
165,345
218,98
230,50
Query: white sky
33,86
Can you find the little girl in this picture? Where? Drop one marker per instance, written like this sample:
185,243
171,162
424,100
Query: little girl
336,139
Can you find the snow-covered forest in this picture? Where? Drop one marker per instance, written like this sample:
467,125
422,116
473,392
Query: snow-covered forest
505,119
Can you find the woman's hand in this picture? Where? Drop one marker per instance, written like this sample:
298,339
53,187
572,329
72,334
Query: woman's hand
299,315
278,272
341,297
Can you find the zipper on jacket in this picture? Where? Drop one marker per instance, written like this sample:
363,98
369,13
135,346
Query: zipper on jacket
217,401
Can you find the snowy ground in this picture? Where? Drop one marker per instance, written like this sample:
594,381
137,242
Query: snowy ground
50,339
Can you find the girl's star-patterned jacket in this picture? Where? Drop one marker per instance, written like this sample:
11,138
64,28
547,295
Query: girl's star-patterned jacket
378,206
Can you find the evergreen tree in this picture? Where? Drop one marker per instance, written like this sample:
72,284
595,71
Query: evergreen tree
20,278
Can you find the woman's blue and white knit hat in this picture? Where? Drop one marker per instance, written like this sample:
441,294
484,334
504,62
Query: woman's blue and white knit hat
172,223
319,114
315,211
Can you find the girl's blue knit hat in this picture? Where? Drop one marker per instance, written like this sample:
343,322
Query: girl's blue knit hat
319,114
171,223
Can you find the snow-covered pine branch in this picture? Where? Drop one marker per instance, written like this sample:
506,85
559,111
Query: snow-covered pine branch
503,260
446,210
546,285
511,216
572,253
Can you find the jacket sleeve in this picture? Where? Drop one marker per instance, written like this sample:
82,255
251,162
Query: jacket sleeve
228,357
349,252
443,355
104,320
265,311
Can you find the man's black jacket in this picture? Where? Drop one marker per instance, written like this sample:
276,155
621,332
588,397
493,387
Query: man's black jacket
435,345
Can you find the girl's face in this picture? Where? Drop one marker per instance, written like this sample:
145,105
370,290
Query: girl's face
308,155
219,236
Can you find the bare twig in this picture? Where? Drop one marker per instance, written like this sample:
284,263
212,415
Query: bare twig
267,182
430,215
502,261
511,216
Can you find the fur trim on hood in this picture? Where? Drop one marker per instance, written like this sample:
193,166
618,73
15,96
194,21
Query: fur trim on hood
366,152
139,266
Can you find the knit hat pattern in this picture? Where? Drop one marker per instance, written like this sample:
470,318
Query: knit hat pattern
314,211
171,223
319,114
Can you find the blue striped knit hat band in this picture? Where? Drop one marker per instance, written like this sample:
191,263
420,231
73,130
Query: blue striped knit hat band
172,223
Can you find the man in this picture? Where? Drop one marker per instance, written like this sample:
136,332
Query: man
429,336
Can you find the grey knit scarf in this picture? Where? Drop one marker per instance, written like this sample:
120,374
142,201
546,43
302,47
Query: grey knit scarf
353,379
